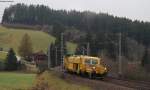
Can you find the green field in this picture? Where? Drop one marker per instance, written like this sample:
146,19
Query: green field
16,81
3,56
10,38
71,47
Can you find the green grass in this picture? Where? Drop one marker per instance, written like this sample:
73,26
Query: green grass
52,81
11,38
3,56
16,81
71,47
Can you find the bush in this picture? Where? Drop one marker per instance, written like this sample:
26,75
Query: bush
11,61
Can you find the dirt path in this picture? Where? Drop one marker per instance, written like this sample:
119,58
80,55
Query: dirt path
94,84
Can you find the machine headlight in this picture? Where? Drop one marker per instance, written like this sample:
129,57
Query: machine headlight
94,67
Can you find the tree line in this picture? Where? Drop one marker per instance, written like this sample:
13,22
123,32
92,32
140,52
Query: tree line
98,28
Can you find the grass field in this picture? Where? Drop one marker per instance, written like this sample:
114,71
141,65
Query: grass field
3,56
71,47
10,37
16,81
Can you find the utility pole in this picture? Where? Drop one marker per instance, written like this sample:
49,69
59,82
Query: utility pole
62,50
83,50
49,57
119,54
120,57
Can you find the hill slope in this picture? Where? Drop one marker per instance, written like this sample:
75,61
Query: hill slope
11,38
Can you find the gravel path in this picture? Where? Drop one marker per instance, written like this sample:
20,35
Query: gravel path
95,84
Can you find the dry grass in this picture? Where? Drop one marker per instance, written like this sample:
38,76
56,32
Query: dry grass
51,81
130,70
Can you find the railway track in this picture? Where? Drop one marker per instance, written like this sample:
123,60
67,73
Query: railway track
138,85
108,83
94,84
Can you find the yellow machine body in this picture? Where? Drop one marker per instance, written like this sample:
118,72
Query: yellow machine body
85,65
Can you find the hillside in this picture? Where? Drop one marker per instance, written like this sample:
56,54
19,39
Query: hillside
89,22
2,56
85,27
11,38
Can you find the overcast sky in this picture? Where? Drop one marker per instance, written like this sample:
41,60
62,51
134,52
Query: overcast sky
133,9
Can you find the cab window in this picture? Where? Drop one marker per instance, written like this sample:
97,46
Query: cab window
91,61
87,61
94,62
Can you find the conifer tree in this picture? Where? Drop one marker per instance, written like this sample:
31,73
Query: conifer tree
11,61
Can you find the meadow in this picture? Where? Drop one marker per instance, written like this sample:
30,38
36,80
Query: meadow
16,81
11,38
2,56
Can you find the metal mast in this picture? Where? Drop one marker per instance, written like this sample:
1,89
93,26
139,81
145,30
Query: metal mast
49,57
62,50
88,48
120,57
56,56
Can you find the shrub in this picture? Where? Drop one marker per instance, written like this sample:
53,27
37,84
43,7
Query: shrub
11,61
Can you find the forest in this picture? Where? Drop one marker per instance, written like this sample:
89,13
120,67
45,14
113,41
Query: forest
100,30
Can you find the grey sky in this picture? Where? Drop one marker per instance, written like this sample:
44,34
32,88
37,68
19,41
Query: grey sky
133,9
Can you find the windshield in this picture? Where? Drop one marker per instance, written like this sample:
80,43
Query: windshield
91,61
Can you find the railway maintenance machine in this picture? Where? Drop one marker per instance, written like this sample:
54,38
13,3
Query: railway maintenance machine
85,65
